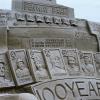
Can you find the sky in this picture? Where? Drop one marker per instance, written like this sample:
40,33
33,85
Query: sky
85,9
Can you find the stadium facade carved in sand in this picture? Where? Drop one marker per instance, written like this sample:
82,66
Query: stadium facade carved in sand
46,51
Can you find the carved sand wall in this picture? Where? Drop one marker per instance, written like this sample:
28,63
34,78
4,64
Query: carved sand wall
46,51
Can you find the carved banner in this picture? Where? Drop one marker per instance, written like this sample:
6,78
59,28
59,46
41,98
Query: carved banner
68,89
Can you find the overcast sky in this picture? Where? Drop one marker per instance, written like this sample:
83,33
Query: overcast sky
86,9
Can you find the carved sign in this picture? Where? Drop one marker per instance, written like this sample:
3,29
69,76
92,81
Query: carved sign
36,8
87,63
38,66
71,60
5,73
68,89
19,65
55,63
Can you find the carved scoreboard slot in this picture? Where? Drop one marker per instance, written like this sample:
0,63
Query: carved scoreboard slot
38,65
19,66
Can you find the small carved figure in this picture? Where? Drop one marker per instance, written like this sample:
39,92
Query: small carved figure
40,67
87,66
19,66
57,65
71,60
21,70
72,66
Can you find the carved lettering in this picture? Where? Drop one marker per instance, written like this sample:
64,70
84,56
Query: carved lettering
92,89
80,88
60,91
71,87
98,87
31,7
48,93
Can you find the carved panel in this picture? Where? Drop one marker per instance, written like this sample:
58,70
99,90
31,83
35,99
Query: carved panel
48,19
38,65
87,63
39,18
71,60
30,7
20,17
6,79
47,42
55,63
59,11
45,9
97,63
54,42
66,21
20,67
30,18
57,20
